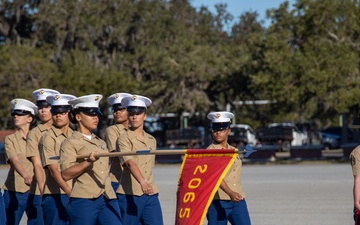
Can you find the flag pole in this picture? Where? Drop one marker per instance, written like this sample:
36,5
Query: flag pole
161,152
247,151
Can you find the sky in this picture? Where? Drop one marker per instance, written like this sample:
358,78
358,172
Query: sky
237,7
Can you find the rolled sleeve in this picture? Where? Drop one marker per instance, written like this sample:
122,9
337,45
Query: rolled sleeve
10,150
47,151
124,145
68,155
355,161
110,140
32,144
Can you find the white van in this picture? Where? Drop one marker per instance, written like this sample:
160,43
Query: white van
241,135
299,138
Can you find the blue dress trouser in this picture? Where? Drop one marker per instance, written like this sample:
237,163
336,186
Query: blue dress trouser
221,211
115,185
54,208
15,206
2,210
34,210
144,209
94,211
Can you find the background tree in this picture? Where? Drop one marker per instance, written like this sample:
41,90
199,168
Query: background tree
186,59
311,65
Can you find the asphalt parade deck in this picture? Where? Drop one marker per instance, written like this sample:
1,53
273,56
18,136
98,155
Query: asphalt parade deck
306,193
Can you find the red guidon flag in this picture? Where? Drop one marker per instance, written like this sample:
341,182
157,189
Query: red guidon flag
200,176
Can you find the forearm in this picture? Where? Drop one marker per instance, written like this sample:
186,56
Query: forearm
38,171
226,188
18,167
135,171
55,173
234,196
75,170
356,191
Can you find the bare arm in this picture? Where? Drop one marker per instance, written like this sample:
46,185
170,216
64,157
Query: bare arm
135,171
55,173
39,174
356,191
78,169
14,160
235,197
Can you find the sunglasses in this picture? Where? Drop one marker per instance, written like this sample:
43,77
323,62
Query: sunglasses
220,130
20,112
90,111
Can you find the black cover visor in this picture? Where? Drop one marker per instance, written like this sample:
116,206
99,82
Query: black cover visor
90,111
136,109
117,107
20,112
219,126
60,109
42,104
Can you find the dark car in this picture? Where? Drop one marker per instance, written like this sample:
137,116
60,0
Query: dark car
2,153
332,137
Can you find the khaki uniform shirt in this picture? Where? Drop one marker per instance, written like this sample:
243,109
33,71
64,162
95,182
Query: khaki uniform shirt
112,134
32,149
15,145
95,180
129,142
50,147
355,160
232,178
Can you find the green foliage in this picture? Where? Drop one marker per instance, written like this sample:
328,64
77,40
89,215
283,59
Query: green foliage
22,70
310,66
186,59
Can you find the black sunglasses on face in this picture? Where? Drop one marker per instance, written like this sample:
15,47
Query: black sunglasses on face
20,112
220,130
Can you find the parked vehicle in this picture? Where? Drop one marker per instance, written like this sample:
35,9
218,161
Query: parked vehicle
283,135
2,153
170,131
241,135
312,132
332,137
185,137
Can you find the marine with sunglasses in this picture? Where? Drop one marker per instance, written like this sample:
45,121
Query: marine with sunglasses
229,201
113,132
56,190
35,211
20,175
92,198
138,195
